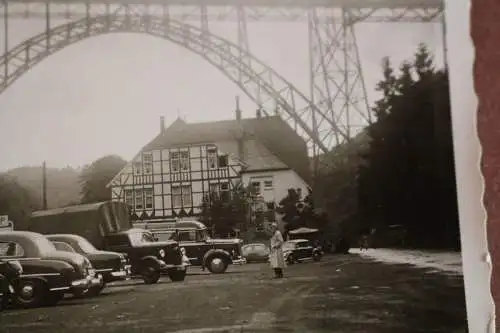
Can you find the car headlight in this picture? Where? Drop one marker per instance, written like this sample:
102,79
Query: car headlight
162,253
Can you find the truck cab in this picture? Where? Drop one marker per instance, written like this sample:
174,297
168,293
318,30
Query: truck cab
201,250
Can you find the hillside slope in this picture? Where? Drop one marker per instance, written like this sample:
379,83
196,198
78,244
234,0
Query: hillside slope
63,186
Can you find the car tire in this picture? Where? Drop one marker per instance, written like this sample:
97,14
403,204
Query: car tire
177,276
316,256
151,275
290,260
30,293
216,264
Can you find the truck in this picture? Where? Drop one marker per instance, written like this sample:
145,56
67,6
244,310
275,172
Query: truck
106,225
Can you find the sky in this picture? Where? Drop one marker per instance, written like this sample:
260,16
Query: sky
105,95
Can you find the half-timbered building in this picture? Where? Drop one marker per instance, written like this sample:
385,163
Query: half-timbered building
170,176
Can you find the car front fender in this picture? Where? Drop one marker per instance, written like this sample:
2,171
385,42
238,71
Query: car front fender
219,252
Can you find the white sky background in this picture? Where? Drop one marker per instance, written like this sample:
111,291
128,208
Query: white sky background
105,95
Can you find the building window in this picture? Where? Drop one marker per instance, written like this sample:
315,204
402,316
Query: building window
224,191
137,168
223,161
214,188
139,204
147,160
184,160
212,158
176,197
129,198
187,200
148,198
175,161
268,184
256,187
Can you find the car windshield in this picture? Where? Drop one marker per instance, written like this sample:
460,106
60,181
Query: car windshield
86,246
203,235
141,237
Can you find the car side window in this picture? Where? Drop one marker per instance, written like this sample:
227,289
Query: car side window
62,246
187,236
11,250
118,240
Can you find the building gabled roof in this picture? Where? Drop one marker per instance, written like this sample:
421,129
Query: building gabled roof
274,140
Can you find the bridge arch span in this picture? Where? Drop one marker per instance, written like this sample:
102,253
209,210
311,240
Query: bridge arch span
258,81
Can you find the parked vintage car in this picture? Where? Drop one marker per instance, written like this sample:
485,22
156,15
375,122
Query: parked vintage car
214,254
107,226
112,266
299,250
47,273
148,256
10,271
255,252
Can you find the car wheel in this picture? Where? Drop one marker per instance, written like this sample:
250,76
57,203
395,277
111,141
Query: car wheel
177,276
316,256
151,276
290,260
217,264
30,293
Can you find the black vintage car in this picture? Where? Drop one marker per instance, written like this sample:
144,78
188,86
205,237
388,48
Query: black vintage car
201,250
10,271
47,273
148,256
299,250
112,266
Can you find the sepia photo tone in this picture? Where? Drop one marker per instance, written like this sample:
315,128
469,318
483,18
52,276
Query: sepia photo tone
228,166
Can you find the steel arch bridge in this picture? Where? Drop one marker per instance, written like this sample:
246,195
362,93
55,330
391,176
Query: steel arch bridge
331,112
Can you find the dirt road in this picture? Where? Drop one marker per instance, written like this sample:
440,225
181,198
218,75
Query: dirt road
339,294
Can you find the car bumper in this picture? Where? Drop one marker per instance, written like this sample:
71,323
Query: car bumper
239,261
123,273
90,281
164,267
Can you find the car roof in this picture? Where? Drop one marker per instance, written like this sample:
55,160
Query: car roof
71,236
297,240
16,235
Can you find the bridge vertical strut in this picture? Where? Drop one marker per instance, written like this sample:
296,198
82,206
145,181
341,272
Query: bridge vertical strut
6,39
336,79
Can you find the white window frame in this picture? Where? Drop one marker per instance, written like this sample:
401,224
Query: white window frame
139,200
184,160
176,196
128,196
137,168
148,198
187,197
147,161
270,187
258,188
175,161
212,158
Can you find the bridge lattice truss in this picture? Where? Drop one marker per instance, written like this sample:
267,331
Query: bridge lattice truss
331,112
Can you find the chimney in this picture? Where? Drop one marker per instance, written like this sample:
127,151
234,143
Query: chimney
162,124
238,111
258,113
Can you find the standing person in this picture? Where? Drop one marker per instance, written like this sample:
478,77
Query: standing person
276,258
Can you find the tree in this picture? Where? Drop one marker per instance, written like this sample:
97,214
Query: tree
16,201
222,212
96,176
407,175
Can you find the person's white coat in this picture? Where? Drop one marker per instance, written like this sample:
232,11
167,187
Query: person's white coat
276,257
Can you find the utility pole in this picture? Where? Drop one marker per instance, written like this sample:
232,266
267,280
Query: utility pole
44,186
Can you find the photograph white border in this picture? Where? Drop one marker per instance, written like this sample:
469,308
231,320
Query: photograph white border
470,182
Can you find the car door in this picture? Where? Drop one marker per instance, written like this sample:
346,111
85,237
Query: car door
187,239
304,250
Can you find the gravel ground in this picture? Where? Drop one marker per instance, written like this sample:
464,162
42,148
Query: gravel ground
339,294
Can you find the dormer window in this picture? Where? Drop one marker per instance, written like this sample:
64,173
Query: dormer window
212,158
